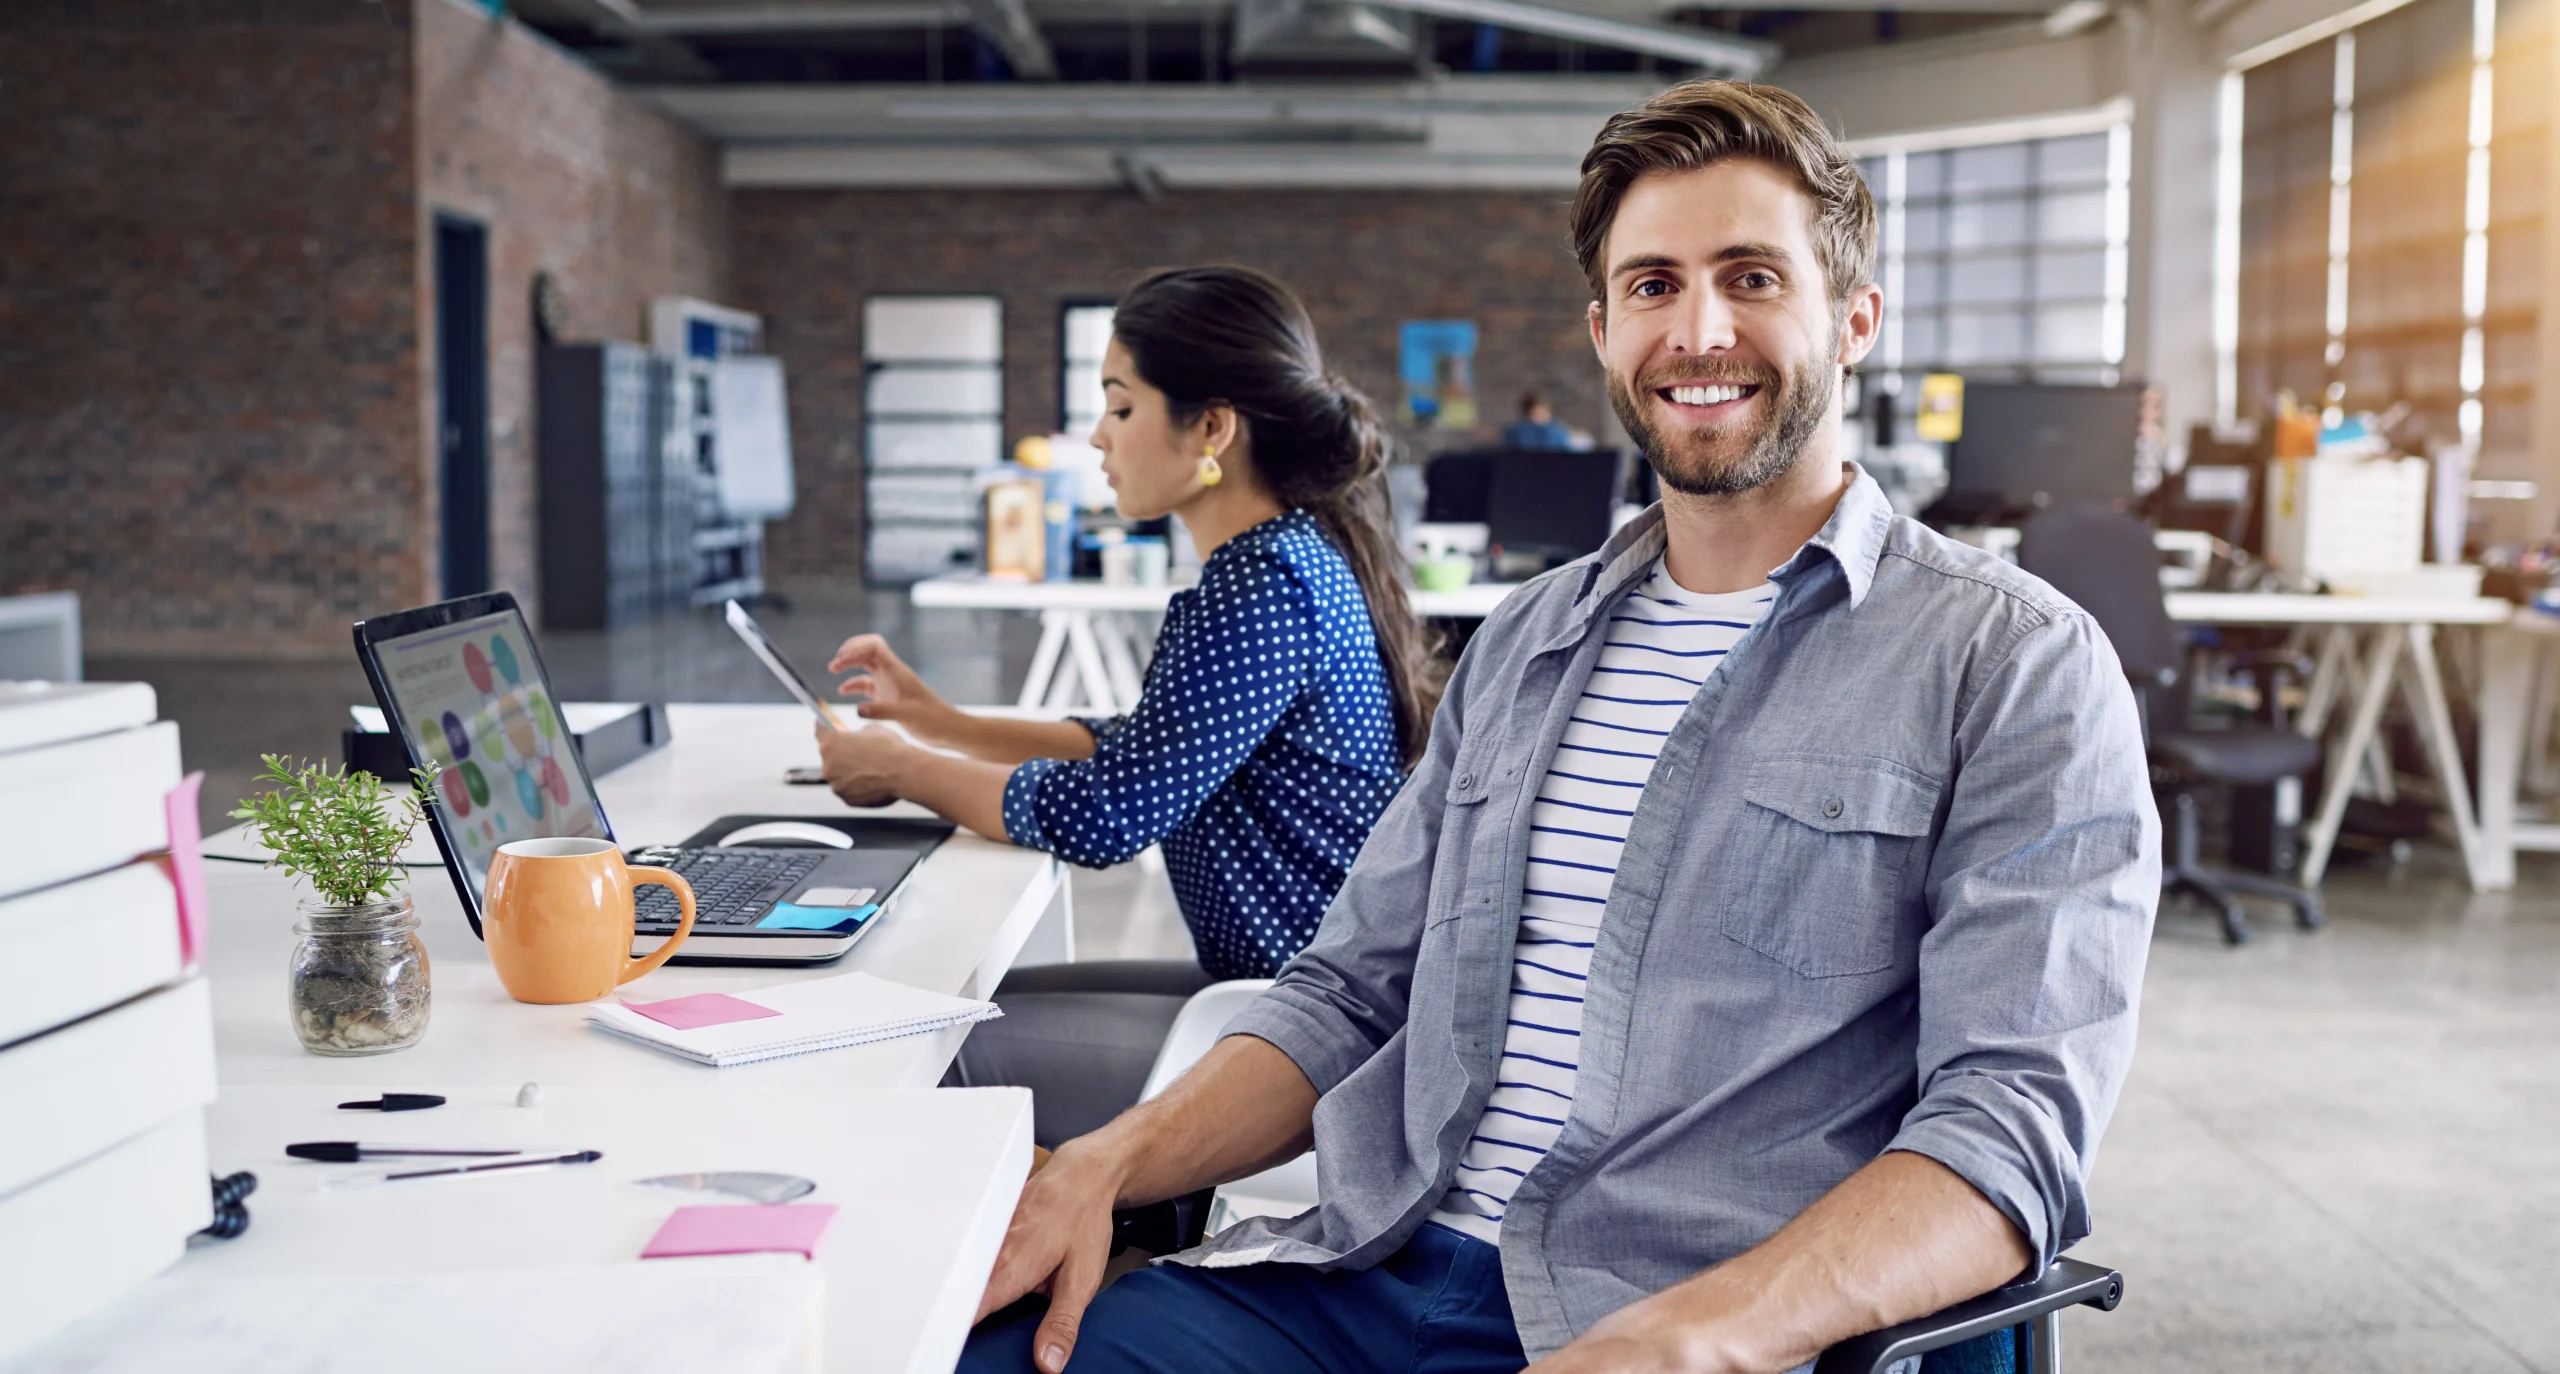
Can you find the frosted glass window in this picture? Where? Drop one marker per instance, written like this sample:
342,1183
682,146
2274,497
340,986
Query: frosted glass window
1084,333
2073,217
933,414
2009,261
956,390
1986,224
1987,281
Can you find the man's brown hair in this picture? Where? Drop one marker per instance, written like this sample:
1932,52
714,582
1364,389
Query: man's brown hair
1701,123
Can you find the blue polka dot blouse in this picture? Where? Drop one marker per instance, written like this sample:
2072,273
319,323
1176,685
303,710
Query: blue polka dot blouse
1260,754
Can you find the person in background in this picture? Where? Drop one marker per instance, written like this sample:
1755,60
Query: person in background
1537,427
1287,695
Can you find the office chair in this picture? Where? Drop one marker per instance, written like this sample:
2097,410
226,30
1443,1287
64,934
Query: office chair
2105,561
2010,1330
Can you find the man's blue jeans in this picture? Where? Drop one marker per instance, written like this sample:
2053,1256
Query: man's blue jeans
1434,1307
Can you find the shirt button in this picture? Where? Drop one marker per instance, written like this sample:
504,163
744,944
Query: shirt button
1466,780
1831,809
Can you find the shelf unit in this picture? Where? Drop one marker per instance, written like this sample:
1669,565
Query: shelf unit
727,552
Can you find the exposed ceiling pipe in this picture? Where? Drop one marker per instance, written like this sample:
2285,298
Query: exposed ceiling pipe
745,19
1008,25
1720,53
1005,23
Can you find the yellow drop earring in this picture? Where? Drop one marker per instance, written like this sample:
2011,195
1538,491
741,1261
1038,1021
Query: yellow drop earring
1210,473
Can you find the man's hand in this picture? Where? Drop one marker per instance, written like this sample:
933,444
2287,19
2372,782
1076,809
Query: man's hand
1900,1238
865,767
1671,1332
893,692
1058,1243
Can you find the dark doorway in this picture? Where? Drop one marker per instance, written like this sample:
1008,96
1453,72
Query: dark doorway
462,401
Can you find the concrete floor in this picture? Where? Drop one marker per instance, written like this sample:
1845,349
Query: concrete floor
2339,1151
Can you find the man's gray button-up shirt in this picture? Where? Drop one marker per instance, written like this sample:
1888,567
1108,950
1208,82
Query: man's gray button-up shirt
1890,888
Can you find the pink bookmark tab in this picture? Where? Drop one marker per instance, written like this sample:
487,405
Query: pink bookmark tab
795,1229
701,1009
186,866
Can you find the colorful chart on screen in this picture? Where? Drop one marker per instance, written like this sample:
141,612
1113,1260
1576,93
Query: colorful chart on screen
472,707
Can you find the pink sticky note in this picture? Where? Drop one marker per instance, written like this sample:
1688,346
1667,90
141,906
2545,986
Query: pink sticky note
186,866
788,1230
701,1009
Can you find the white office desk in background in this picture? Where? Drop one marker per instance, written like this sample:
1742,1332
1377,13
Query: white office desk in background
926,1179
2367,649
1094,639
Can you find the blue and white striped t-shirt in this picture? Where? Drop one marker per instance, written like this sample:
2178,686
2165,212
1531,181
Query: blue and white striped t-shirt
1663,644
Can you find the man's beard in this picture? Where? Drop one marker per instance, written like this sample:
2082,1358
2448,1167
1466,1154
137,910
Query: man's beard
1797,403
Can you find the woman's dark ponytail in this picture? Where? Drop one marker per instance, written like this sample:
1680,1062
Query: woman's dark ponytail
1210,335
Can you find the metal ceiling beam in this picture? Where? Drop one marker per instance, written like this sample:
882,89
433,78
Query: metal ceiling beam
751,19
1005,23
660,55
1721,53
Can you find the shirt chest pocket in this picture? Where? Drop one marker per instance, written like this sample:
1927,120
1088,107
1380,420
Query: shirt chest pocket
1828,853
1467,871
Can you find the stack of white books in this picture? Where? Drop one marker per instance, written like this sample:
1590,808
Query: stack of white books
106,1035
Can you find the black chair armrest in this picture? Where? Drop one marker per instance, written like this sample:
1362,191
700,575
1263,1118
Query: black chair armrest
1161,1228
2068,1283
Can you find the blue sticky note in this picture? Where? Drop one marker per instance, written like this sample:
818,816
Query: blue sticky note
788,916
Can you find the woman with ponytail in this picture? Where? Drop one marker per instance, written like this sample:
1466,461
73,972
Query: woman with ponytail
1287,695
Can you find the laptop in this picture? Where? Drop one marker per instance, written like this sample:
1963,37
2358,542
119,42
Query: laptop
463,687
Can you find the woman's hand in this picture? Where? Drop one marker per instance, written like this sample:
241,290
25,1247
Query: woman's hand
865,767
891,691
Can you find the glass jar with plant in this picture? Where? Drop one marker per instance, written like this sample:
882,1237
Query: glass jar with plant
359,974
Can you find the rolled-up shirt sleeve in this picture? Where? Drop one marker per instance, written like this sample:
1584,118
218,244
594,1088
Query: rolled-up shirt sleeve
1226,669
2041,894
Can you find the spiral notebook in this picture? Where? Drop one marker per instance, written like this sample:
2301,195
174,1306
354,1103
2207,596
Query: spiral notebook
786,1019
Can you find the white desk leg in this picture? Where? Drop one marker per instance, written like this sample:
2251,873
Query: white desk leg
1053,940
1044,660
2328,671
2435,726
1119,656
2507,663
2540,777
2372,694
1086,653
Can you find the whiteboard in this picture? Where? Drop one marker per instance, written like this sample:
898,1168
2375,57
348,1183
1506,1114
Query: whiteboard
751,438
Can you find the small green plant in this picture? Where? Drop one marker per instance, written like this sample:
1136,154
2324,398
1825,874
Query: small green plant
329,827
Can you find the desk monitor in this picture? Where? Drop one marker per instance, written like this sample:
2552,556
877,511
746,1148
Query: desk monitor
1550,503
2028,446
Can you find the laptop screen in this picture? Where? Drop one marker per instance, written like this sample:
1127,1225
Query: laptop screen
471,697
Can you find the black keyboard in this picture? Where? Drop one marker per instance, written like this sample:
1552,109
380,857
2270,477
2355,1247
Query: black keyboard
731,887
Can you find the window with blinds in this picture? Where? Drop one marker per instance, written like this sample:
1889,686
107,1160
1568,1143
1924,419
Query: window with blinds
2005,260
2390,222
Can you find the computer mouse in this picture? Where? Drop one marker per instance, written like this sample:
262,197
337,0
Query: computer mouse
787,835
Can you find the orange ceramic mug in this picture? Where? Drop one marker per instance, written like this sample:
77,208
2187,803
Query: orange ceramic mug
560,916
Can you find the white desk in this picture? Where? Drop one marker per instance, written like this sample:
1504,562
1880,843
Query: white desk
926,1179
2398,654
2516,681
1092,637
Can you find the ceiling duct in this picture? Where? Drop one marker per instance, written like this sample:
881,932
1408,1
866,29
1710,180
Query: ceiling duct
1321,31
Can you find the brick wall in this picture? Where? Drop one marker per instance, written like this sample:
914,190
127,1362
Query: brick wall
216,381
619,203
209,375
1364,261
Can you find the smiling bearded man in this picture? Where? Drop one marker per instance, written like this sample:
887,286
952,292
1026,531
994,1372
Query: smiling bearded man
1750,962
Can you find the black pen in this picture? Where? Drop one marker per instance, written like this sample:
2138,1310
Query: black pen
349,1151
